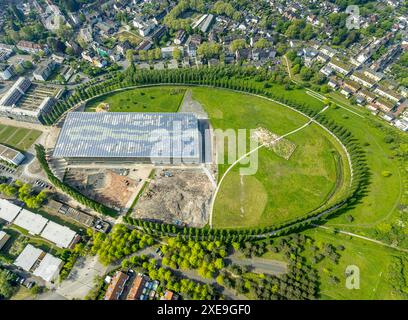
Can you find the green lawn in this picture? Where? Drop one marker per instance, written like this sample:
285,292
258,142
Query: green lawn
152,99
373,260
281,189
18,138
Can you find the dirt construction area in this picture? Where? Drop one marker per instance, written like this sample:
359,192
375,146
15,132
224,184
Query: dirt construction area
115,188
177,196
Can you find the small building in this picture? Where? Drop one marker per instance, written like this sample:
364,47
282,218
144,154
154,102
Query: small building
401,124
169,295
49,268
180,37
7,71
327,71
32,222
28,257
346,92
116,286
8,210
62,236
4,237
10,155
44,70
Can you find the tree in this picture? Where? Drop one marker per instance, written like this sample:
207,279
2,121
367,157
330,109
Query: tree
129,55
177,55
237,44
262,44
6,288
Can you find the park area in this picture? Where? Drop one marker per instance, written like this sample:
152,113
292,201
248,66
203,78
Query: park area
18,138
283,188
152,99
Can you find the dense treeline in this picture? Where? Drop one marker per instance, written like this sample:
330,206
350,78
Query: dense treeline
41,156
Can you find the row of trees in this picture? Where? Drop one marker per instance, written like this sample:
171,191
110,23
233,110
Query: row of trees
24,192
41,156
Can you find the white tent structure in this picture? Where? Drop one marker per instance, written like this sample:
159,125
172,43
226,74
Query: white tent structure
62,236
8,210
49,268
28,257
33,223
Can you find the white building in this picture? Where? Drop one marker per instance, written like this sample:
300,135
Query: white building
49,268
8,210
32,222
28,257
62,236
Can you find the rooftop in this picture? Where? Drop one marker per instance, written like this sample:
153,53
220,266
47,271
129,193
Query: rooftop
28,257
62,236
128,135
8,210
30,221
49,268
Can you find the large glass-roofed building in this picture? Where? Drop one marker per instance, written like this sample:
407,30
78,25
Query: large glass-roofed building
160,138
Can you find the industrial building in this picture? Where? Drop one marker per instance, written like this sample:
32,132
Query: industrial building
27,101
120,137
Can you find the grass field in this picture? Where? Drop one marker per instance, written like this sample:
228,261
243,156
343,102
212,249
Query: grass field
153,99
129,36
18,138
373,260
281,189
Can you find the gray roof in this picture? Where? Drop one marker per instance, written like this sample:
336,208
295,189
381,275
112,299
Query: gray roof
128,135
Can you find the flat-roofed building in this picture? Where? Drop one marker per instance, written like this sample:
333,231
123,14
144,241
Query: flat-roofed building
3,238
8,210
62,236
49,268
159,138
28,101
116,286
32,222
10,155
28,257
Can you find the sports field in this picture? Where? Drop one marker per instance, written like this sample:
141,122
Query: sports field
281,189
153,99
18,138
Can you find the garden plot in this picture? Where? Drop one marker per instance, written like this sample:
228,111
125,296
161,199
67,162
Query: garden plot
281,146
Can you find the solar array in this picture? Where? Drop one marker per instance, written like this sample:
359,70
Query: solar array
129,135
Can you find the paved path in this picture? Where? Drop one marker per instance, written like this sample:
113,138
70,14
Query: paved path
261,265
365,238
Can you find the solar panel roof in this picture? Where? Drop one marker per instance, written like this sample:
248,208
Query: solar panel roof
128,135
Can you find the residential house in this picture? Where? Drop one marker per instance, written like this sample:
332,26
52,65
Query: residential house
44,70
340,66
389,94
362,79
116,286
7,71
